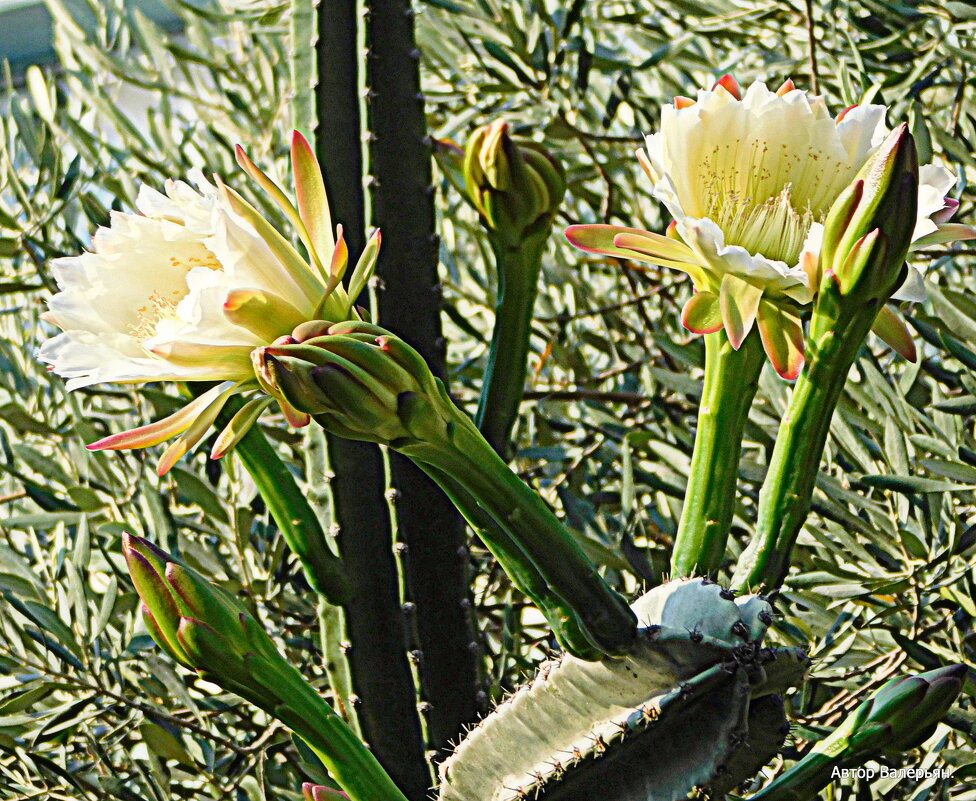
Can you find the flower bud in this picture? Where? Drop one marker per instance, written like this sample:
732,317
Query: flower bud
359,381
869,227
316,792
900,716
516,185
196,622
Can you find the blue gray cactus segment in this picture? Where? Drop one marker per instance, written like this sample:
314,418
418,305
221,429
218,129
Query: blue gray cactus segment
581,730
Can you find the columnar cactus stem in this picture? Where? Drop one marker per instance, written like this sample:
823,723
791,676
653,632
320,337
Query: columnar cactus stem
374,628
731,380
402,206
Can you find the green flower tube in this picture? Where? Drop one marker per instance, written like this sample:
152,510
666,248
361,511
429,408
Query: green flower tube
731,380
361,382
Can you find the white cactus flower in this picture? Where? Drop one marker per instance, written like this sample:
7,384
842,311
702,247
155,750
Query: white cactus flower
187,288
748,178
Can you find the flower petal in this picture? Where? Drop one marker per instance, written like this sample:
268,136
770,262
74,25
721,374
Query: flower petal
702,314
891,327
313,203
161,430
263,313
282,201
782,338
196,430
912,288
739,302
946,232
637,245
239,425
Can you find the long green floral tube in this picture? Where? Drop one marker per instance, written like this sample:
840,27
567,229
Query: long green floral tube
209,631
900,716
787,492
731,380
866,238
517,187
504,380
361,382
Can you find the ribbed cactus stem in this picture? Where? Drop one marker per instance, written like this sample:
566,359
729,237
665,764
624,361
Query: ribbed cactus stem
731,380
787,492
399,152
518,270
374,629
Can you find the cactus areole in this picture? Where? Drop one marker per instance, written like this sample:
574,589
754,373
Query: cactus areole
694,709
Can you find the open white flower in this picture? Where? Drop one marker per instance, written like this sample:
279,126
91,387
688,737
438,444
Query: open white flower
189,287
749,178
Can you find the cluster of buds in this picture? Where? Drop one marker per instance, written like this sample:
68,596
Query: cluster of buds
358,381
515,184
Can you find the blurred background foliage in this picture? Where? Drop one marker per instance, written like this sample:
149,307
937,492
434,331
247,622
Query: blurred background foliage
885,578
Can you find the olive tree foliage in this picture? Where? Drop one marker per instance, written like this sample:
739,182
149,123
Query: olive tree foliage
885,575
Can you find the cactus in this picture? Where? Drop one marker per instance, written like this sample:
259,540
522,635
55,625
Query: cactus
329,94
578,728
431,534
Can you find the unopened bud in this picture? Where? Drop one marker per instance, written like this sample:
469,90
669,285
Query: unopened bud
869,227
516,185
360,381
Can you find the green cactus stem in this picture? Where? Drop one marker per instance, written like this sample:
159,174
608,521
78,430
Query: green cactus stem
731,380
542,539
694,706
517,187
371,624
564,622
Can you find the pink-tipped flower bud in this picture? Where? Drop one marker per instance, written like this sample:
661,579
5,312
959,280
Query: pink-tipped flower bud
869,227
